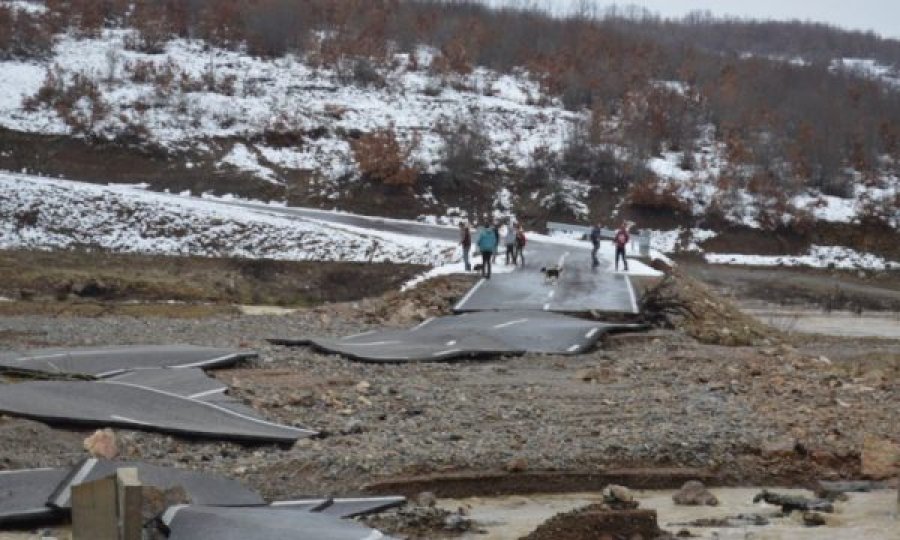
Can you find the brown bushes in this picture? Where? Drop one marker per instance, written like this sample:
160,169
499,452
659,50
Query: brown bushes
383,159
77,99
653,195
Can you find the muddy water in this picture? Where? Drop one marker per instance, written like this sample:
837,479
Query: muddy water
836,323
868,516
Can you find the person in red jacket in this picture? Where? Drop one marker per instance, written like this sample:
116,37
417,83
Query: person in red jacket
621,240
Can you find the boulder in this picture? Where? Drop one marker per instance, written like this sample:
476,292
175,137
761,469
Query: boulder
694,493
102,444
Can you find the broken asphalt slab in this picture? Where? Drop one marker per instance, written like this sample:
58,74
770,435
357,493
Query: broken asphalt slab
488,333
207,523
201,488
24,494
106,361
343,507
128,405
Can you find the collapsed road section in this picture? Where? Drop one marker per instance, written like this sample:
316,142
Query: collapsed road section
209,523
106,361
470,335
128,405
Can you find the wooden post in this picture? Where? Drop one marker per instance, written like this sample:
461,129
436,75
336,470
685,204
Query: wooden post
108,508
129,492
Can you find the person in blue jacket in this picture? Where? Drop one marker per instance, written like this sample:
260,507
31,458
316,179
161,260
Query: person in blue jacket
487,244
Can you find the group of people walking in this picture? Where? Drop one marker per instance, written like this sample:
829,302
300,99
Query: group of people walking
487,240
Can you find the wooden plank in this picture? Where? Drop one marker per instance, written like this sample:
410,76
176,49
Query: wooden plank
130,503
94,510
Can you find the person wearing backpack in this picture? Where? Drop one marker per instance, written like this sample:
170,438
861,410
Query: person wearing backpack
596,236
487,244
520,244
621,240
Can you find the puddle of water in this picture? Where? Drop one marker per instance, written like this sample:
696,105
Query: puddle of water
836,323
869,516
266,310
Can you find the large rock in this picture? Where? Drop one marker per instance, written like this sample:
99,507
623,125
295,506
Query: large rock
880,458
102,444
694,493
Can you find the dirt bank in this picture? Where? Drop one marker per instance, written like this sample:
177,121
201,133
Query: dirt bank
73,276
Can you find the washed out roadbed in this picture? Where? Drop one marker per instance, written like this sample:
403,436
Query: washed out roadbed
777,412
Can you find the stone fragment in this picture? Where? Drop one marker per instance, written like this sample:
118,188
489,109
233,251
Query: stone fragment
102,444
694,493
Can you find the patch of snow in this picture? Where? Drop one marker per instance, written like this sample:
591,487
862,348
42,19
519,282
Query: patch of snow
868,68
244,159
33,8
40,213
818,257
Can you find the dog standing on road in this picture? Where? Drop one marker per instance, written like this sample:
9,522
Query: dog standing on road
551,274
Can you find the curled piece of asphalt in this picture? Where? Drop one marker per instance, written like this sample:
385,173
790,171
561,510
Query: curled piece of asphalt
24,494
128,405
470,335
106,361
209,523
201,488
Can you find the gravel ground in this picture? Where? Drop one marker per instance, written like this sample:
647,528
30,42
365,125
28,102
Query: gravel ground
752,414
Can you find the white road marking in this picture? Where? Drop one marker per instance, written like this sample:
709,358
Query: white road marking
373,343
339,500
562,259
551,294
208,393
510,323
448,351
469,294
634,306
451,343
422,324
126,419
66,493
592,333
547,306
574,348
23,471
212,405
361,334
210,361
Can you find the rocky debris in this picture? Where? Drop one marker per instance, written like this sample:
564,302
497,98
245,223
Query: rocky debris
154,502
880,458
595,374
420,522
694,493
813,519
517,465
596,522
433,298
619,498
684,303
740,520
102,444
426,499
790,503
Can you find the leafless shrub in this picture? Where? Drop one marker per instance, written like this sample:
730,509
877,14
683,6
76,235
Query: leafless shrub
383,159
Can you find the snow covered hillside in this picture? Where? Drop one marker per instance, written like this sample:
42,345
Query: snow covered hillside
38,213
192,93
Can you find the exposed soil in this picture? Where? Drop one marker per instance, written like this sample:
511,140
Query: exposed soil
598,523
60,279
827,289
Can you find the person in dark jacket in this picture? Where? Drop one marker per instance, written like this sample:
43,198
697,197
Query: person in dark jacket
596,233
621,240
497,239
465,241
520,243
487,244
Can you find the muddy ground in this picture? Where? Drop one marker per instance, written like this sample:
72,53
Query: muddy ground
783,410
